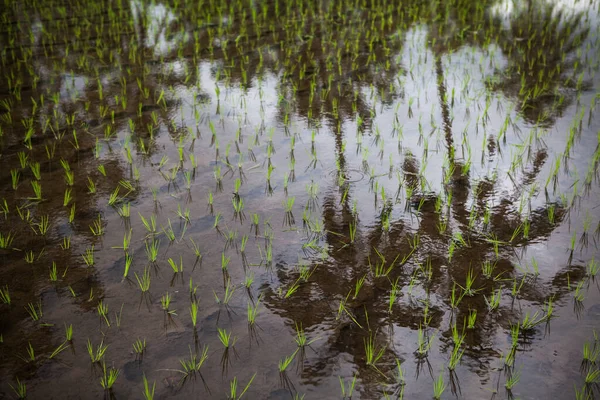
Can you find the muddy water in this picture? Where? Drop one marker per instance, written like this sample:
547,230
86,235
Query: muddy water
413,143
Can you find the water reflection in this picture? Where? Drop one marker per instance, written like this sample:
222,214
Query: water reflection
543,73
327,76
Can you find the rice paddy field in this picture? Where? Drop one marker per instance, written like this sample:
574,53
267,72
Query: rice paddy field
299,199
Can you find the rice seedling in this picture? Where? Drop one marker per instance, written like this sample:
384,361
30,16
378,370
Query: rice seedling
373,353
15,175
66,243
144,280
472,319
29,257
194,313
230,237
193,289
439,386
424,342
399,375
468,289
35,170
35,310
30,357
493,302
97,227
177,268
6,240
592,377
5,295
20,389
148,393
102,309
185,215
43,226
91,186
88,256
347,393
168,231
124,210
224,261
591,355
229,291
301,339
69,332
238,208
289,216
352,227
152,250
578,294
233,388
109,377
63,346
285,362
165,302
195,363
512,380
592,268
455,357
455,298
97,354
119,316
225,338
358,285
394,292
4,209
253,312
127,266
531,321
583,394
139,347
488,269
72,213
196,249
150,225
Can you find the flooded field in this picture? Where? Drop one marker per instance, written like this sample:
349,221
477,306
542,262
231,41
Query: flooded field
300,199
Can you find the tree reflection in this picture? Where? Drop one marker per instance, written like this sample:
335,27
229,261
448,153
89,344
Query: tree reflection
543,72
491,239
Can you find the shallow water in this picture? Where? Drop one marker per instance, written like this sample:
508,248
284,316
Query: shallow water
414,142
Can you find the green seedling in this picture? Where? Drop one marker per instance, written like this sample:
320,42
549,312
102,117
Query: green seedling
347,393
194,313
439,386
144,280
103,312
225,338
63,346
177,268
35,310
512,380
233,388
285,362
148,393
98,354
5,295
152,250
109,377
195,363
139,347
20,389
